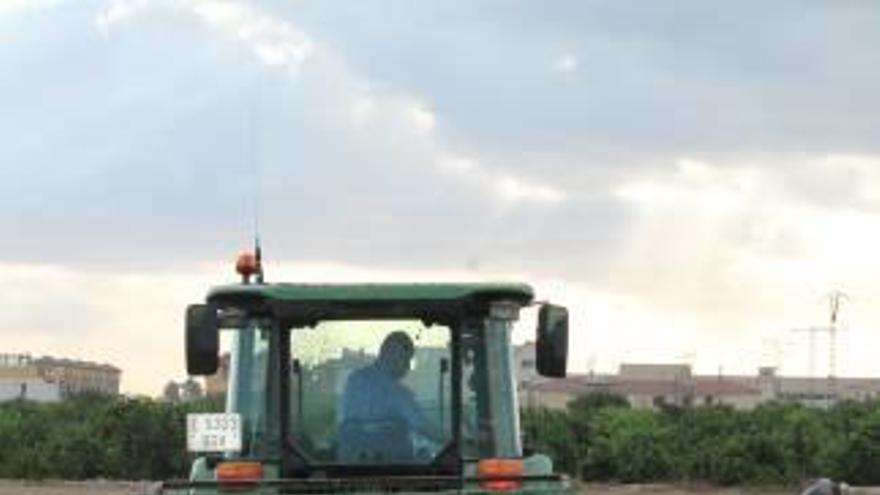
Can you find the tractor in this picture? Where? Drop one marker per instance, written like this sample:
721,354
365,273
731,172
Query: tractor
365,388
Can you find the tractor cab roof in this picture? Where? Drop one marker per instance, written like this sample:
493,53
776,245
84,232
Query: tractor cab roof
305,303
375,292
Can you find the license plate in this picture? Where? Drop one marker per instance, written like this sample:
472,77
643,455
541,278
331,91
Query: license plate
213,432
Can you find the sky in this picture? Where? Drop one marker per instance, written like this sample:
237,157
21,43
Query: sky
690,179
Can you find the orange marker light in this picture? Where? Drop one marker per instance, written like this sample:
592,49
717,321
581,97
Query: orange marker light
246,265
500,474
239,471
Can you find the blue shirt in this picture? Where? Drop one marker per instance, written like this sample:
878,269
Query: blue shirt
377,416
371,395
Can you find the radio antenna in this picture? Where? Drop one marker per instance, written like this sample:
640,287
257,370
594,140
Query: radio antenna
254,158
255,164
258,257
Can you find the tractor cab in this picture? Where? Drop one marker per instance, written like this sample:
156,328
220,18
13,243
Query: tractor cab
367,388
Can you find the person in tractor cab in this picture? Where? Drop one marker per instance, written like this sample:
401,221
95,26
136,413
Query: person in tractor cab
378,414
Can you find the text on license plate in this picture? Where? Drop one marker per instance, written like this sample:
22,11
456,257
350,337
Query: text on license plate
213,432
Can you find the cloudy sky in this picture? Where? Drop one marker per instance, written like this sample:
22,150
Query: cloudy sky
690,178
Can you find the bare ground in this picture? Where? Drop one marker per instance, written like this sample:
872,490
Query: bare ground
701,489
689,489
145,488
75,488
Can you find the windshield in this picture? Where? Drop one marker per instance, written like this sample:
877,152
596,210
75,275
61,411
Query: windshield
370,392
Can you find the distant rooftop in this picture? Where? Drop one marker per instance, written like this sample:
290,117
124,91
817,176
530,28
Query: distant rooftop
9,360
668,380
74,363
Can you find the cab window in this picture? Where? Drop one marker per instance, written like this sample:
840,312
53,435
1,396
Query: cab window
370,392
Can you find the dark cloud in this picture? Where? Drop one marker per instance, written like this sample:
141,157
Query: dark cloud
142,146
665,78
146,152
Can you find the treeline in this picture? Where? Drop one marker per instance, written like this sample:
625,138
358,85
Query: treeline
600,438
91,437
596,438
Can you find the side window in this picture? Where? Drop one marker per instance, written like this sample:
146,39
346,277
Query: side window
248,381
490,415
475,419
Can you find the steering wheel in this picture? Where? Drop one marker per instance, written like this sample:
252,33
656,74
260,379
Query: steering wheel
424,447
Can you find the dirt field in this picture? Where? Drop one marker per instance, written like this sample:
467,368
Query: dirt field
698,489
145,488
71,488
601,489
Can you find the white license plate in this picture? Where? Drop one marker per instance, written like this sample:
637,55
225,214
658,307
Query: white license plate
213,432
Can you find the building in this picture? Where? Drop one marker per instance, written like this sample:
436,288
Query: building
655,372
19,379
78,377
653,385
524,364
49,378
33,390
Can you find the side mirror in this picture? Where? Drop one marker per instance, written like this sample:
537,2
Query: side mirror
551,348
202,339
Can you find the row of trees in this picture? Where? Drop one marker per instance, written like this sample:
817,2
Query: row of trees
601,438
595,438
96,437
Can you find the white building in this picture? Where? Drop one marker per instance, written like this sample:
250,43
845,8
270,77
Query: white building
45,378
33,389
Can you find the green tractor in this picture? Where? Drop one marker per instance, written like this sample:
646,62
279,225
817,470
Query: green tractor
366,388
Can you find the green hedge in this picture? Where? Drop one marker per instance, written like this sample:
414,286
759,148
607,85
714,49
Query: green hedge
96,437
595,438
601,438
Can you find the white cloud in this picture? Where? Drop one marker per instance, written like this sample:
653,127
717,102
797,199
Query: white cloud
508,188
740,250
719,192
516,189
118,12
9,7
278,43
735,239
567,63
864,168
362,111
274,41
423,120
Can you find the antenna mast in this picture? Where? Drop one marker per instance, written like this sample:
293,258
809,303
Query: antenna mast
835,298
254,159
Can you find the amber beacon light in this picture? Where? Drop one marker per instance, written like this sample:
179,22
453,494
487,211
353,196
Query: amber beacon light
246,265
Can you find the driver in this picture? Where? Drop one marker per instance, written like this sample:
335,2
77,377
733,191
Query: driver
378,414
